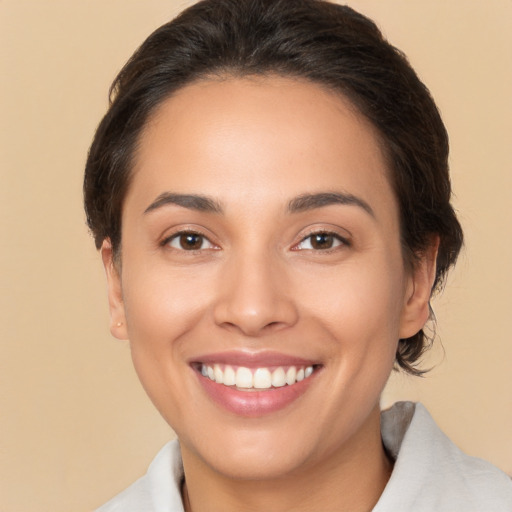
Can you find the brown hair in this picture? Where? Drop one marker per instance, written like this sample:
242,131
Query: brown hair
325,43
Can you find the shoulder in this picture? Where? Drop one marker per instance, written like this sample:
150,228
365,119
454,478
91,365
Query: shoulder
431,473
158,489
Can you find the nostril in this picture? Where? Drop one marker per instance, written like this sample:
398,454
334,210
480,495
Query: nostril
273,325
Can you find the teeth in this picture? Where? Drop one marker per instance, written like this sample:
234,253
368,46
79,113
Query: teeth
229,376
262,378
218,374
278,378
243,378
258,378
291,375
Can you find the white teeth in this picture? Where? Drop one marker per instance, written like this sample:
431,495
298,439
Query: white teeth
218,374
243,378
278,378
291,375
229,376
259,378
262,378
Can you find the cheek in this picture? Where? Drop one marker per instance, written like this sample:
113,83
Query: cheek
162,309
161,304
360,314
357,298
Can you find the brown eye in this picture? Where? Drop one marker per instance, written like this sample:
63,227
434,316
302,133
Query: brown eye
188,241
321,241
191,241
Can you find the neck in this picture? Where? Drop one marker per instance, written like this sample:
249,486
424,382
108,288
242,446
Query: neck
350,479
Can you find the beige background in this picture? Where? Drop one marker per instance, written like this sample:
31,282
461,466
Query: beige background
75,426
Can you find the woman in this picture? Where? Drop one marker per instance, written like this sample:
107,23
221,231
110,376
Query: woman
270,194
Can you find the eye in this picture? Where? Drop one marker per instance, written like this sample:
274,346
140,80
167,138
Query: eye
321,241
189,241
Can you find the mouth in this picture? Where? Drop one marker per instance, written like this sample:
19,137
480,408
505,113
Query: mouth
254,385
244,379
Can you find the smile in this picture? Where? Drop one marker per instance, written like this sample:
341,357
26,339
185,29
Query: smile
254,385
244,378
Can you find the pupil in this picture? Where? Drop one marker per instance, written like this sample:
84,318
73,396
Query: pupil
191,241
322,241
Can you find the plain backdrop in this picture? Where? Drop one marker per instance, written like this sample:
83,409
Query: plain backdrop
75,425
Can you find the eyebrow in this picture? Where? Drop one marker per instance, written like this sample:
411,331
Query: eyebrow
298,204
306,202
190,201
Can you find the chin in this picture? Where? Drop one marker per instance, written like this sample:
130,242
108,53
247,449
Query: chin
262,449
260,461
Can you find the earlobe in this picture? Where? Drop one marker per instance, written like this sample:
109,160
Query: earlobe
114,290
416,309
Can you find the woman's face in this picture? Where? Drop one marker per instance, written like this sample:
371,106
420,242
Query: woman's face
260,245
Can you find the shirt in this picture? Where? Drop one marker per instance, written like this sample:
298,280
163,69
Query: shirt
430,473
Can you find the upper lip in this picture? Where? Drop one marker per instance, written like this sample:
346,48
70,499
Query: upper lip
252,359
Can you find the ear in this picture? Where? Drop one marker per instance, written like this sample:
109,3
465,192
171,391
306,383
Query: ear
115,292
416,309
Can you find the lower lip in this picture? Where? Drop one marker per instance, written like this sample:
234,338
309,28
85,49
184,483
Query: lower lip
254,403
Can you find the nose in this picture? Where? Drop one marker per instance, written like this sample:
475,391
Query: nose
254,297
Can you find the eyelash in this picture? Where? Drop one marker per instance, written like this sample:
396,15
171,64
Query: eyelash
338,240
191,233
335,236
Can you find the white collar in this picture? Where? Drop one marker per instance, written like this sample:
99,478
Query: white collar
430,474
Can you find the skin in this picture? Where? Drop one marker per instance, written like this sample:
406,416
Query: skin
256,283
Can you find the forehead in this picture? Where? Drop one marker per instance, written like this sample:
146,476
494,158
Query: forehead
268,138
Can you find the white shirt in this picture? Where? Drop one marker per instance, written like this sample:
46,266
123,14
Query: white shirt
430,473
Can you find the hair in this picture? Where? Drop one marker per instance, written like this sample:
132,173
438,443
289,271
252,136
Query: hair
327,44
